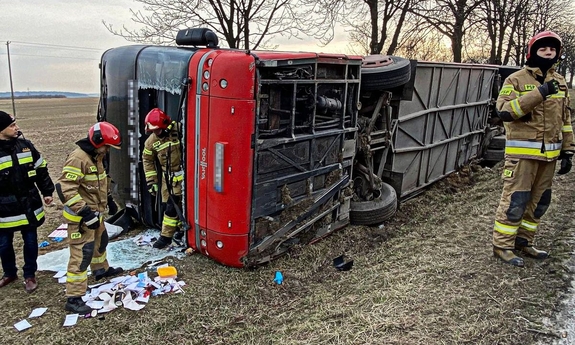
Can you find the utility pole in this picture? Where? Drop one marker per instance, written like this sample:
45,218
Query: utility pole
10,73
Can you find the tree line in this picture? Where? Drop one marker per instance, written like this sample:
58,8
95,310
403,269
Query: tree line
478,31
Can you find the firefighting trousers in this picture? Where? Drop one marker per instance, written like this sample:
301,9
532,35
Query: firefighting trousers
87,248
525,198
170,222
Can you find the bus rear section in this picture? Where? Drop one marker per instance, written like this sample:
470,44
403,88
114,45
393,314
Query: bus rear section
269,151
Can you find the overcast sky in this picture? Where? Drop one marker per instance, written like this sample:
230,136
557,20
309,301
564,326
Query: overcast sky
56,45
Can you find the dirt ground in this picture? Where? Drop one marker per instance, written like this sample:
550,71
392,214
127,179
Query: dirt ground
427,277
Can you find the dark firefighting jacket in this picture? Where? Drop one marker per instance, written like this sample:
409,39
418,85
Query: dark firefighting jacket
542,127
22,172
84,181
160,149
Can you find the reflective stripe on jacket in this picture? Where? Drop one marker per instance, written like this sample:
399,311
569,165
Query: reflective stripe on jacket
159,147
22,172
84,181
549,130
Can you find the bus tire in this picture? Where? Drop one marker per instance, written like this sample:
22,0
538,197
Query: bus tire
497,142
383,72
374,211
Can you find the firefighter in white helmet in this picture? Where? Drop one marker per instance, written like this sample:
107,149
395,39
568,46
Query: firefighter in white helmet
533,103
83,189
161,159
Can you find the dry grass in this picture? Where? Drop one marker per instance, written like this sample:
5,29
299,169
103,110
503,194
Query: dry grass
428,277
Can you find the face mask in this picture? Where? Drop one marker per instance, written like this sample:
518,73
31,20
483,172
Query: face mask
543,64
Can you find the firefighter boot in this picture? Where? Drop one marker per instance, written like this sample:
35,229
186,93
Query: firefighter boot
162,242
522,244
76,305
111,271
508,256
178,235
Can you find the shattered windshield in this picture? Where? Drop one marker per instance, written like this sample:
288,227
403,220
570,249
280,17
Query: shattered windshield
163,69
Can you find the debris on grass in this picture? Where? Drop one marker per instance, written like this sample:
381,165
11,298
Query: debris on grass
22,325
279,278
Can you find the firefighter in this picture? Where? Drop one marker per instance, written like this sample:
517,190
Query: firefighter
163,147
22,172
84,190
533,103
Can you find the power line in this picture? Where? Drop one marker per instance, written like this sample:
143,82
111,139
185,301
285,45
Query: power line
47,45
53,56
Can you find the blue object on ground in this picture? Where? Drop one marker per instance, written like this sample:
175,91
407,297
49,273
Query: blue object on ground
279,278
44,244
58,239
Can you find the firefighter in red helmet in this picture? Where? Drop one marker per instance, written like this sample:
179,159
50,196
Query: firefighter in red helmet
83,188
163,147
533,103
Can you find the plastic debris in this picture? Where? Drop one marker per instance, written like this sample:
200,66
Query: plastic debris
58,239
166,272
130,292
44,244
279,278
341,263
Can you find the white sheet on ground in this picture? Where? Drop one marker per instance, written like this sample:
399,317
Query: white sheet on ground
123,253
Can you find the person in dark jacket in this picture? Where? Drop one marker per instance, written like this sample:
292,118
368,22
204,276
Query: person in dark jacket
23,172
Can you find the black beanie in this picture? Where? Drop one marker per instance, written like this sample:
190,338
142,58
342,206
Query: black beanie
538,61
5,120
545,42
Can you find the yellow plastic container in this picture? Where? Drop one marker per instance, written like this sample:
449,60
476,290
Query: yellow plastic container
167,272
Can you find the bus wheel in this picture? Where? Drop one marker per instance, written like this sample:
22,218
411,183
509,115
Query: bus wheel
374,211
384,72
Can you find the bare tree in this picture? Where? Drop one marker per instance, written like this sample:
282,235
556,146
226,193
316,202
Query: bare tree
501,19
424,42
450,17
567,66
247,24
380,22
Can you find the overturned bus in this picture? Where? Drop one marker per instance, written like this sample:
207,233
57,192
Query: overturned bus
283,148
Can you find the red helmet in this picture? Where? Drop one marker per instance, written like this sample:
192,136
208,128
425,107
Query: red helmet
549,36
157,119
104,133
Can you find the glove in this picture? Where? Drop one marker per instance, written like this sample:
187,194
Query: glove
89,217
565,158
112,206
549,88
153,188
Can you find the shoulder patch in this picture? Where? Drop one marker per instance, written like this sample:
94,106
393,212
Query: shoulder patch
93,168
71,177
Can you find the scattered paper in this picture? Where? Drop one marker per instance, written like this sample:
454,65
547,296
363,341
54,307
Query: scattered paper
61,231
59,274
129,303
96,285
71,320
143,297
145,240
95,304
142,278
22,325
37,312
